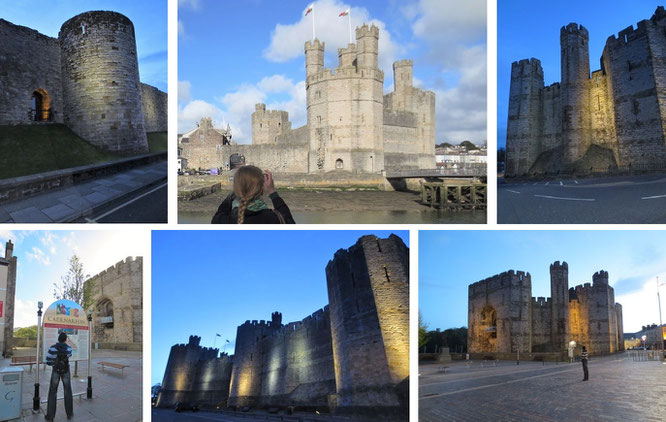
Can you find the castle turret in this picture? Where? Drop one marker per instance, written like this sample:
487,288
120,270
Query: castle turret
367,39
402,74
575,62
267,125
314,57
368,290
276,319
9,249
347,56
100,82
524,121
559,293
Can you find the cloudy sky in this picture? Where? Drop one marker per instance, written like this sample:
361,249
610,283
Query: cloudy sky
528,29
235,54
224,288
149,18
43,258
633,260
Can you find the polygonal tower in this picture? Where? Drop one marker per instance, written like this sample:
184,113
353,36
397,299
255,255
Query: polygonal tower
559,293
100,81
575,62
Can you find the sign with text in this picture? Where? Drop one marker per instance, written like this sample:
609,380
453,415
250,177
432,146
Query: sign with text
65,316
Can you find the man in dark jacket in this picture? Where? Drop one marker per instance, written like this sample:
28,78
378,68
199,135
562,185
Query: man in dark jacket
58,359
583,359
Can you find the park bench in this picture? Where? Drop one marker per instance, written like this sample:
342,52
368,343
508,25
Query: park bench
24,360
114,365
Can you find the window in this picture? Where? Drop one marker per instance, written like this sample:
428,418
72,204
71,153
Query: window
339,164
318,119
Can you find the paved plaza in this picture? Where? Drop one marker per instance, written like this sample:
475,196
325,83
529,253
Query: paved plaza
169,415
116,395
619,389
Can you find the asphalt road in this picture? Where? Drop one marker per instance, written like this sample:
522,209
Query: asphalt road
615,200
145,206
618,390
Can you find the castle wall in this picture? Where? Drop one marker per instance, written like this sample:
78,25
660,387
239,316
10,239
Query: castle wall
100,82
541,324
29,62
154,107
122,285
210,386
552,117
267,125
502,301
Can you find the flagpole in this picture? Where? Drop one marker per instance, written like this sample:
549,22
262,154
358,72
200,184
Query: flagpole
349,16
313,23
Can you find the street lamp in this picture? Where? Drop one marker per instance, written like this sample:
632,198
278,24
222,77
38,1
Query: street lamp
572,346
35,399
89,390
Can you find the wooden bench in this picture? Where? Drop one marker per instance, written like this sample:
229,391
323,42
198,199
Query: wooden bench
24,360
114,365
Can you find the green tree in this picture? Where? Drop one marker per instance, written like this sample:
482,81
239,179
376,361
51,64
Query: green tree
26,332
443,145
467,144
72,285
423,331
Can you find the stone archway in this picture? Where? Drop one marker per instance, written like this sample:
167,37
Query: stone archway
41,105
486,332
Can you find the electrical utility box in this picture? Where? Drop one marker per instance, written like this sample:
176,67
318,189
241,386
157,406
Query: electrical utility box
11,390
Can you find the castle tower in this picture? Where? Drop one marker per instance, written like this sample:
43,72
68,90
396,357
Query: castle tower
367,39
100,82
559,293
600,306
314,57
368,290
7,298
267,125
524,123
402,74
575,62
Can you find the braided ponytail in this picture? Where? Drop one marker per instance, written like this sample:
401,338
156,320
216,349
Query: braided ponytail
241,210
248,185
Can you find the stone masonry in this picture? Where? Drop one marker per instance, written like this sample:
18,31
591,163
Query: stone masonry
7,297
351,124
350,357
505,319
87,79
117,300
613,119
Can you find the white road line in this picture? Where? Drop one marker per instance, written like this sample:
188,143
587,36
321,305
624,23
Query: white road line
547,183
576,181
513,191
88,220
535,183
565,199
654,197
561,184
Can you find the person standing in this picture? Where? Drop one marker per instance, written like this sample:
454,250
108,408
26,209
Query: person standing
58,359
583,359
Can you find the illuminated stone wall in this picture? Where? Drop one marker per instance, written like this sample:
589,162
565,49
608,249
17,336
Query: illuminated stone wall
503,315
122,286
612,119
7,296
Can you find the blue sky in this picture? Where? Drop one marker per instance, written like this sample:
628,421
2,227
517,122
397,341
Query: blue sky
235,54
449,261
43,258
529,29
210,282
149,18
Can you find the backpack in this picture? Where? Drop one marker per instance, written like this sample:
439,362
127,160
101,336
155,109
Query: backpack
61,365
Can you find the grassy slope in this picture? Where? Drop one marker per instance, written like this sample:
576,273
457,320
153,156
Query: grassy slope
157,141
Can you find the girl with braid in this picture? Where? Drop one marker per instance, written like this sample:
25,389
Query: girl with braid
246,205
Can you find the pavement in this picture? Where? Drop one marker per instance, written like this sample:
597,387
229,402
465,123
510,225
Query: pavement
609,200
83,199
149,205
170,415
116,396
619,389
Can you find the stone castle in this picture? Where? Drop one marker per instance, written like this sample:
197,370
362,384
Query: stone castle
505,319
351,356
612,120
87,78
351,124
7,297
117,300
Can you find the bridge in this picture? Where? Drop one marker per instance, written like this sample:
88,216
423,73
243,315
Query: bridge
465,171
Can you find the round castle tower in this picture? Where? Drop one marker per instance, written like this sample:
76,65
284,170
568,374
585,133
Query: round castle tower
575,62
559,293
100,81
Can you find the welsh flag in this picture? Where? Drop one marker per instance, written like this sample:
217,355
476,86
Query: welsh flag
345,13
309,9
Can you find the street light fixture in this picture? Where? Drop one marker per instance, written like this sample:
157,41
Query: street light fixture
35,399
89,390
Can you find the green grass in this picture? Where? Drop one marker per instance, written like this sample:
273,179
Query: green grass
157,141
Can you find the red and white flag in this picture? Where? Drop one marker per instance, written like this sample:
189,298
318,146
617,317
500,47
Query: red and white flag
309,9
345,13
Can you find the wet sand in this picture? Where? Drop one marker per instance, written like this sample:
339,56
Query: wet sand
326,206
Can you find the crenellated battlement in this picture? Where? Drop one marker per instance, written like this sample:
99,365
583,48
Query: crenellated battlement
557,266
541,302
574,29
314,45
328,75
403,62
505,279
600,277
365,31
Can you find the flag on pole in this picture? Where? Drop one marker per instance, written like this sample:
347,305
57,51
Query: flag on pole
309,9
345,13
218,335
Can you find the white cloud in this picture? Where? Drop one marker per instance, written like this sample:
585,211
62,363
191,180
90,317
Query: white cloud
25,313
184,92
38,255
192,4
48,240
640,307
181,28
190,114
287,41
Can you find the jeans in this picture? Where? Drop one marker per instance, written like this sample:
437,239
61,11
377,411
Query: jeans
53,391
586,374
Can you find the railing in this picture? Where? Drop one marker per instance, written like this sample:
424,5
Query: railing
646,355
460,171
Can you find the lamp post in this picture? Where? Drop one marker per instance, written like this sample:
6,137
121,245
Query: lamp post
89,390
35,399
572,346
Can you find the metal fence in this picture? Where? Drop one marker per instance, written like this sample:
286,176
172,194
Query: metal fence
645,355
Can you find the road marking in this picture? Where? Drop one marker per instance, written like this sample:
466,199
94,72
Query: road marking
513,191
654,197
561,184
576,181
547,183
89,220
496,374
535,183
565,199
